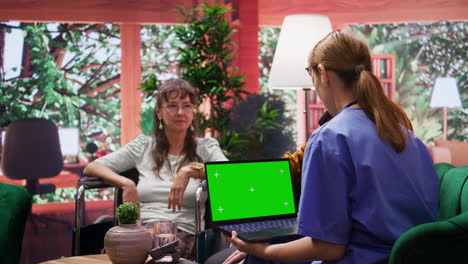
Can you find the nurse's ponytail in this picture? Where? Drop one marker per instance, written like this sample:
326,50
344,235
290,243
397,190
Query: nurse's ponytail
387,115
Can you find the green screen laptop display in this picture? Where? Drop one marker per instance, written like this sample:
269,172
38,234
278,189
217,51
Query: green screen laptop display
239,190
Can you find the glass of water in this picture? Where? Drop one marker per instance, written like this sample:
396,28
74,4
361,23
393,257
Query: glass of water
165,232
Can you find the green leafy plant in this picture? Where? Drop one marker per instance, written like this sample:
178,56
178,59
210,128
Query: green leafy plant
69,74
261,123
206,58
128,213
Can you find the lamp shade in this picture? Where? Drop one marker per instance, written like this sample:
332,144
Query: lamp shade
69,141
445,93
298,36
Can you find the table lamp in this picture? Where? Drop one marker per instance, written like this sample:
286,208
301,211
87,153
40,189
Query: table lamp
445,94
298,36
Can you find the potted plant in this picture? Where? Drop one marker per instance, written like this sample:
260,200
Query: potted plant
128,243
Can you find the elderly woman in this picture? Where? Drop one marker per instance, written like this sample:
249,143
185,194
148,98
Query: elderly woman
168,163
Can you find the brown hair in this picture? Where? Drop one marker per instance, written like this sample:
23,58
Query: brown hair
349,56
160,151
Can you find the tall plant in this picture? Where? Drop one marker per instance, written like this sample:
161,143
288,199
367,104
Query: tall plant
206,58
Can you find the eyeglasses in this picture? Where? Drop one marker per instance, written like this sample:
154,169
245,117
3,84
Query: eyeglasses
308,71
174,108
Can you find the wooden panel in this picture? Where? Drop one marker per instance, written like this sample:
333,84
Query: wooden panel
271,13
130,99
91,11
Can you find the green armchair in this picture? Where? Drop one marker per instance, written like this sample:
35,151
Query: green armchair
15,204
444,241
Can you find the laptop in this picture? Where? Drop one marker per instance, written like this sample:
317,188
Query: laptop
254,198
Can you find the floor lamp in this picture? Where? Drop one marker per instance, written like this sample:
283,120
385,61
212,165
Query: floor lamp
298,36
445,94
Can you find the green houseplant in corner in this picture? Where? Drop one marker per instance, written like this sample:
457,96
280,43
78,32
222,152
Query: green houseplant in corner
206,61
128,243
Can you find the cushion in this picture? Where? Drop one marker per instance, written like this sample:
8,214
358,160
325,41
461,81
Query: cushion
442,168
464,194
440,154
450,192
437,242
458,151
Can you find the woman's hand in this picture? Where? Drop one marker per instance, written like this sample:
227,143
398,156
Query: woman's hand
257,249
130,193
235,257
176,194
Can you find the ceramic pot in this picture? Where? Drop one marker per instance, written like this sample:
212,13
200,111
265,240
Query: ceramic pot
128,244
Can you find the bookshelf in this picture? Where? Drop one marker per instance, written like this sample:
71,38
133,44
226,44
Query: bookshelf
383,66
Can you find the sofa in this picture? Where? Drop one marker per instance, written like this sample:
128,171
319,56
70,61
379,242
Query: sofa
446,240
15,204
453,152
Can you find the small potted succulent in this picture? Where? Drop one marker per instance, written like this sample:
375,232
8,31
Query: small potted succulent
128,243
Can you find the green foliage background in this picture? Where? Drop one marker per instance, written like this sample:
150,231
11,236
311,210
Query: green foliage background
423,52
70,74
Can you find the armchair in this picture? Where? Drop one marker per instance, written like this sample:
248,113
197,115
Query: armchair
31,152
446,240
15,204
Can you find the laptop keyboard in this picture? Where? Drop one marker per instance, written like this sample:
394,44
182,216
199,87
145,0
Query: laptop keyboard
262,226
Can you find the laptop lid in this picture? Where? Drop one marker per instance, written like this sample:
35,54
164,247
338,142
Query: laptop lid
248,191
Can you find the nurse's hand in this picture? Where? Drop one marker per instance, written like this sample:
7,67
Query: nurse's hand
235,257
256,249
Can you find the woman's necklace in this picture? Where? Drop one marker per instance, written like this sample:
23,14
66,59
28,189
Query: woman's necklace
173,169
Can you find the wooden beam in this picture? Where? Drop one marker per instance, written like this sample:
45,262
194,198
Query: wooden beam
93,11
342,12
270,13
130,99
246,14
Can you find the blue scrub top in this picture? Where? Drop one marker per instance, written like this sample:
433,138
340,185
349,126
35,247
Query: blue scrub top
358,191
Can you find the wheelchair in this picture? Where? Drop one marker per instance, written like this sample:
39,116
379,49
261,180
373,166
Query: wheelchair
89,239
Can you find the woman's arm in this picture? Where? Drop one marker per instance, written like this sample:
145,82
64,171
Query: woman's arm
303,249
107,167
101,171
208,149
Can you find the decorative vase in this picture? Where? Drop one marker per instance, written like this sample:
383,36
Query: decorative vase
128,244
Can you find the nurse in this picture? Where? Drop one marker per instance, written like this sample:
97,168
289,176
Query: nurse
366,178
